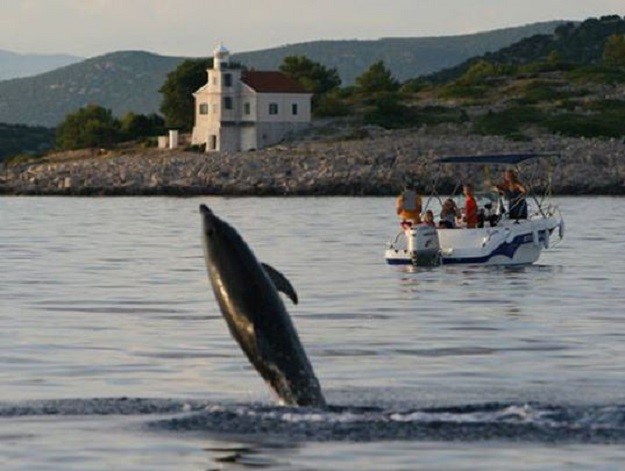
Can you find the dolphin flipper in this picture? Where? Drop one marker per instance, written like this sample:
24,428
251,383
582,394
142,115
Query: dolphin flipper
280,282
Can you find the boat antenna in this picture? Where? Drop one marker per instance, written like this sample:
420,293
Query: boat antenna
530,188
434,191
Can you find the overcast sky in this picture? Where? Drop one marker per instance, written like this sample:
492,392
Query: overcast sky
193,27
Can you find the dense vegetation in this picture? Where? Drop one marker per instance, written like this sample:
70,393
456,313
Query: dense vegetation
95,126
19,139
178,102
571,44
533,87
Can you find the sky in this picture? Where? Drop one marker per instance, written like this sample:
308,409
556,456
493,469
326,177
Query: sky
89,28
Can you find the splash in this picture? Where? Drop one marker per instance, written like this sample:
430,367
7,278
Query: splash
517,422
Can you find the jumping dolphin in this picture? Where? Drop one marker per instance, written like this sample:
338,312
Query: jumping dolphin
247,293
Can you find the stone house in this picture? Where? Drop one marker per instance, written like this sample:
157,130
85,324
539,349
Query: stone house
239,110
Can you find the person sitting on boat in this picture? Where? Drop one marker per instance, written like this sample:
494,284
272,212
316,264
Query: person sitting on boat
514,192
408,207
428,218
470,207
448,215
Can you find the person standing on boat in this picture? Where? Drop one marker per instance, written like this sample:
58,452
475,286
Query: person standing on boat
408,207
514,192
449,213
470,207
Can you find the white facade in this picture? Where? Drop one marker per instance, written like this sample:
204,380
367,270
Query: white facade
238,110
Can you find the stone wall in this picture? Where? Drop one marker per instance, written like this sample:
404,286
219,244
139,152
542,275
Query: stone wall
375,165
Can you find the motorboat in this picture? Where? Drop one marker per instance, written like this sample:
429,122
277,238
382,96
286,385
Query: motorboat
501,237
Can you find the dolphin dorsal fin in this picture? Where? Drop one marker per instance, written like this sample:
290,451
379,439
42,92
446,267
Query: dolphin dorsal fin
280,282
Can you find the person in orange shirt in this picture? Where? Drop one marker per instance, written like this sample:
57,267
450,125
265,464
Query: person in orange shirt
470,207
408,207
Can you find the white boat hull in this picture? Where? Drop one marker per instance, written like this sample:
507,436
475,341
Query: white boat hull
509,243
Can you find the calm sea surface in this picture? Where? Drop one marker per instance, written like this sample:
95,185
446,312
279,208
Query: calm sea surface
114,354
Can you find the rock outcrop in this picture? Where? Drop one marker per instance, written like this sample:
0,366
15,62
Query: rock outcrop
378,164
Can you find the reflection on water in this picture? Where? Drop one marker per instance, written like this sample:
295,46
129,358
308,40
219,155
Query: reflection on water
108,297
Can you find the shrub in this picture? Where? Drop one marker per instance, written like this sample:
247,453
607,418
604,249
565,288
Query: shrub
508,122
577,125
387,112
331,104
377,79
92,126
438,114
456,90
598,74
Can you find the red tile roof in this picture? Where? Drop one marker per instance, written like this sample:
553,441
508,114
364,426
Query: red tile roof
271,82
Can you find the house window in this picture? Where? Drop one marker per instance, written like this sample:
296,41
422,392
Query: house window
228,102
227,80
247,109
294,108
203,108
273,108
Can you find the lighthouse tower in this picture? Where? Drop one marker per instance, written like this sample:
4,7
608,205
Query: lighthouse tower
218,107
221,57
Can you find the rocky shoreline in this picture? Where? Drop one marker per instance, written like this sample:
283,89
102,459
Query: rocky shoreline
378,162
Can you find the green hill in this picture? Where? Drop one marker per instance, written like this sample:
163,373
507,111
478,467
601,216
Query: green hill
577,44
571,83
406,57
129,81
121,81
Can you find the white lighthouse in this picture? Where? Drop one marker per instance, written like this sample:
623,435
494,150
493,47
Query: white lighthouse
243,110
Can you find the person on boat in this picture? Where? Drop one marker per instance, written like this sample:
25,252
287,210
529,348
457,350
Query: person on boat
448,215
428,218
408,207
514,191
470,207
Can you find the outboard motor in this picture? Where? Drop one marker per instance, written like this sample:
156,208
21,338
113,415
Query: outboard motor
423,246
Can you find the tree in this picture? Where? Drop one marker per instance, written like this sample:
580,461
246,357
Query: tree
135,126
178,104
331,103
313,76
479,71
614,50
377,79
388,111
92,126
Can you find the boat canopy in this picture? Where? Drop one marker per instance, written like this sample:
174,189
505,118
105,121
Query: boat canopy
504,159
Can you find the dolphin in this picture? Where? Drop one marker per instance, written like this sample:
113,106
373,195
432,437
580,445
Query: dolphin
247,293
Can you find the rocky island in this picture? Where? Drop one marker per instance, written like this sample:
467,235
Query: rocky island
370,161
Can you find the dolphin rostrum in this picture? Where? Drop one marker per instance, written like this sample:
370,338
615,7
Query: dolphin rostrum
247,293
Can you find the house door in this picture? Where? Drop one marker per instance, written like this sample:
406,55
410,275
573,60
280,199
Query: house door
212,142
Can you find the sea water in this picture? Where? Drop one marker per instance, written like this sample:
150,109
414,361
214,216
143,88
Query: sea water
115,355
